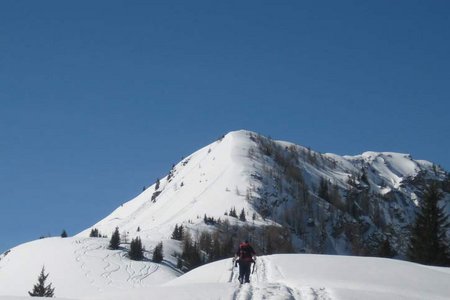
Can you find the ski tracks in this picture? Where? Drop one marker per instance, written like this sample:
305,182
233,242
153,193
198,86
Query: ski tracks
138,272
105,268
109,268
268,282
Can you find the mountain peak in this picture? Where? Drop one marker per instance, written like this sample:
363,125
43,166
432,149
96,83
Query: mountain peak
281,183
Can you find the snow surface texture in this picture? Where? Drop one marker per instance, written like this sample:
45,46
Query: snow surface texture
81,268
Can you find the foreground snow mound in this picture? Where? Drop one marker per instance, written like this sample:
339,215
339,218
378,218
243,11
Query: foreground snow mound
78,267
306,277
297,276
287,276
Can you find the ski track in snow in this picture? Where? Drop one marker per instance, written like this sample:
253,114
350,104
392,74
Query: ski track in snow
262,286
112,264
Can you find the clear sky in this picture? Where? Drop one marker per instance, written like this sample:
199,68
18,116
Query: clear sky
99,98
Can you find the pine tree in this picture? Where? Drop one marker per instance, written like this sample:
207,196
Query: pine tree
136,250
323,189
94,233
178,232
64,234
179,263
191,253
114,243
175,232
428,241
233,213
40,289
242,216
158,253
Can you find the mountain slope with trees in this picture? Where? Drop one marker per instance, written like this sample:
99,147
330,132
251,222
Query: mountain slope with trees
357,205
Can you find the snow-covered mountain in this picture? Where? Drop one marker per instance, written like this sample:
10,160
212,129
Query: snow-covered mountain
332,204
326,203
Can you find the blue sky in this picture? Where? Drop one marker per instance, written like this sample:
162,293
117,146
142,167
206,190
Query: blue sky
99,98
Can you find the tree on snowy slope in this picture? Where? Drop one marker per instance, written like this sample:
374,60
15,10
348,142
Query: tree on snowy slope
428,241
136,251
94,233
40,289
178,233
114,242
191,255
242,216
158,255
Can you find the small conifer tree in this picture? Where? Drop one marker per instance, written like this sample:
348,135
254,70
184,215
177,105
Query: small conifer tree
233,213
191,255
114,242
158,253
242,216
175,232
178,232
94,233
179,263
64,234
136,250
40,289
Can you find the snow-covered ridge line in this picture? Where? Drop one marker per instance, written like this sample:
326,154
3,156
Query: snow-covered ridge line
235,172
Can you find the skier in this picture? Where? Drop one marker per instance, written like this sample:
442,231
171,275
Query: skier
245,256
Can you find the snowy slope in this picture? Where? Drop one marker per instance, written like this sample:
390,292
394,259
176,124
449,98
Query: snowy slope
210,181
294,276
84,270
78,268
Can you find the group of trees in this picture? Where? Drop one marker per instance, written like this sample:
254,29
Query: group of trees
178,232
136,250
233,213
221,242
95,233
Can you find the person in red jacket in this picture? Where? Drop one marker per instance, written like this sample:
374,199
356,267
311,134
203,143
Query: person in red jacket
245,256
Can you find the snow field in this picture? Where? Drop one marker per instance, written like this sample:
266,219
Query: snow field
82,268
78,268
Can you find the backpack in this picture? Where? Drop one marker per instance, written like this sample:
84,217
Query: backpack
245,252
